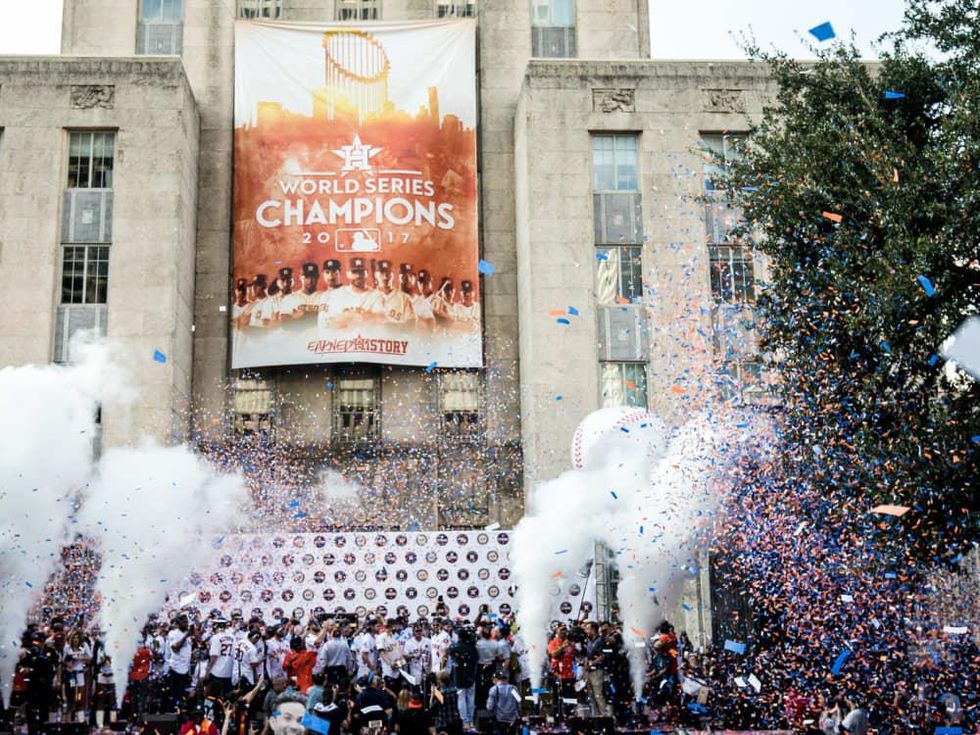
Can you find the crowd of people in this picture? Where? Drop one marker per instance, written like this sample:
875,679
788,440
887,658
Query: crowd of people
377,675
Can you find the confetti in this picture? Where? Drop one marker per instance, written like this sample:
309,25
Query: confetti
562,320
159,356
833,217
892,95
734,646
839,663
926,286
823,32
891,510
486,268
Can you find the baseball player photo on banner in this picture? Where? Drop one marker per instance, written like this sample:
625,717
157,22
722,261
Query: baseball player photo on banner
355,204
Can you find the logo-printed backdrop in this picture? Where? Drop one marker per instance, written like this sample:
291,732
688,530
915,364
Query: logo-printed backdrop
358,572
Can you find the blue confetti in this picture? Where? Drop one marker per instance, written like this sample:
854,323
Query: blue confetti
839,663
734,646
562,320
298,516
573,311
933,360
293,504
686,606
558,397
159,356
615,496
886,347
562,551
926,286
315,724
949,731
431,366
891,95
601,256
823,32
975,439
486,268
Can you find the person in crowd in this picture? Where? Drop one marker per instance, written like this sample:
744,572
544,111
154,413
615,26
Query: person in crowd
503,704
463,656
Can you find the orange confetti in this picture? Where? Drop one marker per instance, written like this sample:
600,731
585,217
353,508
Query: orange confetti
892,510
639,632
623,300
679,390
833,217
556,312
629,384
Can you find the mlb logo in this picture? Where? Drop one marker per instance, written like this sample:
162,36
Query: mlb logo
358,240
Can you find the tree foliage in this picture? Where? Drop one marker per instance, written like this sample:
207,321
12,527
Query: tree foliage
861,185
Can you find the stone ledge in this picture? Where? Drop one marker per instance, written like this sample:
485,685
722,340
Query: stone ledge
87,70
566,69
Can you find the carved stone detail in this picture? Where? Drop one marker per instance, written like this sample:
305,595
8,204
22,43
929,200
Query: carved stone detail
614,100
87,96
723,100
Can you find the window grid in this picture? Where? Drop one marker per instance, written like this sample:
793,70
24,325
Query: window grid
260,9
161,11
90,159
615,163
722,149
356,409
252,403
358,10
459,403
623,384
619,274
455,9
742,378
553,13
732,274
85,274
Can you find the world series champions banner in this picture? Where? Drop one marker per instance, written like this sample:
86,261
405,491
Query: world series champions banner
355,204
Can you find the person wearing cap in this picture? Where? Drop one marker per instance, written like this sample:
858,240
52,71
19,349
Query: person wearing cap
246,660
418,654
467,311
365,650
503,704
324,301
386,304
421,293
241,308
444,300
180,642
257,296
221,659
349,301
293,303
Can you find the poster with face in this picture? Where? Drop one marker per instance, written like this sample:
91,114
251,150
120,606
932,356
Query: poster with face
355,202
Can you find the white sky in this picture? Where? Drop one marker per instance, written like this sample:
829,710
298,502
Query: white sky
680,29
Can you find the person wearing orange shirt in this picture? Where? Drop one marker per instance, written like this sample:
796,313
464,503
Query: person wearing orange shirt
139,677
299,664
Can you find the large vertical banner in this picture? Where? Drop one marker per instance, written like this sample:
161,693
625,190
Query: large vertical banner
355,203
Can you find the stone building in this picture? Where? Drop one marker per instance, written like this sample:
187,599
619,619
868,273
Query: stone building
115,196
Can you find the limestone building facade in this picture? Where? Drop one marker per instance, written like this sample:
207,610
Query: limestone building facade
116,192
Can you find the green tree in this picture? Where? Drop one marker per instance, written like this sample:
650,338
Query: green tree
861,184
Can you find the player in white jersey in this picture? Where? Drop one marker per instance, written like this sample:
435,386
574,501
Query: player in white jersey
246,664
324,300
221,657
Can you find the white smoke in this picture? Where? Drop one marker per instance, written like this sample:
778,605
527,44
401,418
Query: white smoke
651,502
151,510
156,510
46,433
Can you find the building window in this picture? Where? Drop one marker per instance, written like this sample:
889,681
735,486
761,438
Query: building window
357,410
553,28
258,9
85,274
160,31
619,274
455,9
90,159
358,10
623,384
742,378
719,214
459,404
615,163
732,276
252,404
